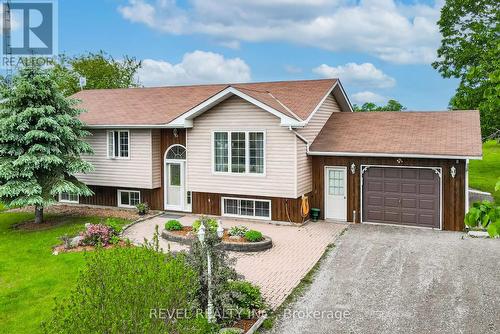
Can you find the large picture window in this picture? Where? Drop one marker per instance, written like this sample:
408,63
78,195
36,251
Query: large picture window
118,144
239,152
244,207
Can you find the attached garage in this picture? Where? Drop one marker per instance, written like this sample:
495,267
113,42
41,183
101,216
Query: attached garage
402,196
396,168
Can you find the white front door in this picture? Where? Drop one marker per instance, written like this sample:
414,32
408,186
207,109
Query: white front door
174,186
336,193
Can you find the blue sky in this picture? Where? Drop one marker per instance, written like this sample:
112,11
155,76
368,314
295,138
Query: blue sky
380,49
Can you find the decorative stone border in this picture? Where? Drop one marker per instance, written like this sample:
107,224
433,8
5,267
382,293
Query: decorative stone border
258,246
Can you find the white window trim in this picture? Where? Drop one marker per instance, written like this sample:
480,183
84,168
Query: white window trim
107,144
69,201
119,199
243,216
247,153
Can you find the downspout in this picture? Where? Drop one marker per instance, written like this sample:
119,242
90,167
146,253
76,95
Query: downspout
305,200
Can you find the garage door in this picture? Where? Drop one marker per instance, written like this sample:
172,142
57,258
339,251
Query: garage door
402,196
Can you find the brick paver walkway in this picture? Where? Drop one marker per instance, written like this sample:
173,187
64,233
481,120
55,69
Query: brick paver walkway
278,270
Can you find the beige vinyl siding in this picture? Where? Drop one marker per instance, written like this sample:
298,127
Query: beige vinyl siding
304,162
304,169
135,172
329,106
238,114
156,157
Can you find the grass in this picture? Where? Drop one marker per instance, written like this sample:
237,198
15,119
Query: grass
483,174
30,276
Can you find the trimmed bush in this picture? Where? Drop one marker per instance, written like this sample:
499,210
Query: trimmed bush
173,225
210,222
142,208
253,236
238,231
245,295
97,234
115,225
122,291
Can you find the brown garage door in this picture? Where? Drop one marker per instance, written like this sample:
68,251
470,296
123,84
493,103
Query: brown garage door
403,196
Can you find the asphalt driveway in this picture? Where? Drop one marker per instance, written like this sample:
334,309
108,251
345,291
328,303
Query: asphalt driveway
382,279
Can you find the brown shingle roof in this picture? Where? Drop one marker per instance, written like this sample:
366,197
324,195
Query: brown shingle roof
450,133
161,105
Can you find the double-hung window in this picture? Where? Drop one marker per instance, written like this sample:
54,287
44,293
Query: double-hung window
118,144
239,152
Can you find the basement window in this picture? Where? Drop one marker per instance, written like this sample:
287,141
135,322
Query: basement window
246,208
68,198
128,198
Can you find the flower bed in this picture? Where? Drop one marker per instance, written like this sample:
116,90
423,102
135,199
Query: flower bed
231,243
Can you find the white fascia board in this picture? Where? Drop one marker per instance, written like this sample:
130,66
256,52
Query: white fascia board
183,120
129,126
337,85
391,155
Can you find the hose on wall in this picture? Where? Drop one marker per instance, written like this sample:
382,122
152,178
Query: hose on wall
304,208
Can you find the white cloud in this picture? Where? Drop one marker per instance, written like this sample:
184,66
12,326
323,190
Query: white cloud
367,96
292,69
361,75
386,29
195,68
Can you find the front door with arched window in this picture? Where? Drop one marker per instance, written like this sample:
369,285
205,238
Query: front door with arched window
174,178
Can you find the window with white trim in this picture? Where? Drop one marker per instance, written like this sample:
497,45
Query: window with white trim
118,144
239,152
65,197
128,198
244,207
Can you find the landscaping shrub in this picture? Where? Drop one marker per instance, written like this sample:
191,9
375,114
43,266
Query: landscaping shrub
142,208
253,236
238,231
173,225
222,270
115,225
210,224
246,297
121,291
484,215
97,234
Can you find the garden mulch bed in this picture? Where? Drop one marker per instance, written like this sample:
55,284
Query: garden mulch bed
73,210
31,226
61,249
245,324
187,231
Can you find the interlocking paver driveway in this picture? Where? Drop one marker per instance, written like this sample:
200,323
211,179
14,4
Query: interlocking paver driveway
278,270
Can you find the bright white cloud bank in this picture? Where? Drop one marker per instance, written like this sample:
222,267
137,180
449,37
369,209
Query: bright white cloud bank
362,75
387,29
196,67
367,96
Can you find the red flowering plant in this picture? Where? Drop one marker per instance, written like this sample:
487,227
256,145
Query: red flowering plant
97,234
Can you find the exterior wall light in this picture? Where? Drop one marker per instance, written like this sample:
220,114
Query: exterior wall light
353,168
453,171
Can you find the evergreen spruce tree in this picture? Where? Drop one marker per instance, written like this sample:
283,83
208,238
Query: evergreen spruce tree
40,142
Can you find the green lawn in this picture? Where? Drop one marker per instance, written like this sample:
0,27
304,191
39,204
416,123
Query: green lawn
483,174
30,276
